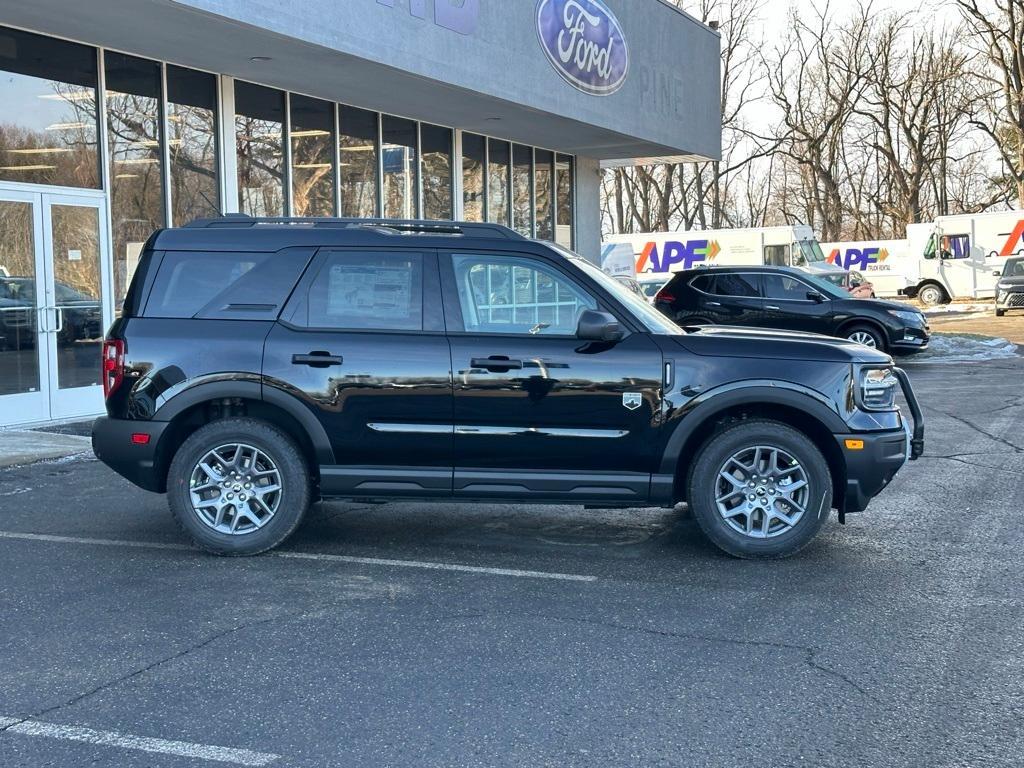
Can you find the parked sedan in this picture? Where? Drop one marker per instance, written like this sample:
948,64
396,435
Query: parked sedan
1010,288
790,299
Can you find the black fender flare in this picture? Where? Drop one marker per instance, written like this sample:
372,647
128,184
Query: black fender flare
250,388
708,404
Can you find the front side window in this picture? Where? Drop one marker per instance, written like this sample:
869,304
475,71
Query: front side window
48,125
785,287
1014,268
367,292
518,296
956,246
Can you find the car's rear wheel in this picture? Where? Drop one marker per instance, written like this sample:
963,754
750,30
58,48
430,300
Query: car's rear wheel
760,489
238,486
866,335
1000,312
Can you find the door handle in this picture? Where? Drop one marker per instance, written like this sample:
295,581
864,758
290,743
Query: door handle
318,359
496,363
712,303
772,308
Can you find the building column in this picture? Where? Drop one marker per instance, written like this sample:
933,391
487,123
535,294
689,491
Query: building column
588,209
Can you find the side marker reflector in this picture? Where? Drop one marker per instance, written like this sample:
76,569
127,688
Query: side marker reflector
855,445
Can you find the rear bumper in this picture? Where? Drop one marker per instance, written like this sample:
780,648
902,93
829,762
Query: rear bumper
112,444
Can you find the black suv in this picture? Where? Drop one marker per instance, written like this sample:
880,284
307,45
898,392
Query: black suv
262,364
793,300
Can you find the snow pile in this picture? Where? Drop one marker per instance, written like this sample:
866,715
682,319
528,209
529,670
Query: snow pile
963,348
944,310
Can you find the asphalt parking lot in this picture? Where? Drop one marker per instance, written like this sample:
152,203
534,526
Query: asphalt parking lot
433,635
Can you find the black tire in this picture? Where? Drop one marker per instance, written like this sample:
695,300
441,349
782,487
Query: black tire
863,328
1000,312
291,506
932,295
704,478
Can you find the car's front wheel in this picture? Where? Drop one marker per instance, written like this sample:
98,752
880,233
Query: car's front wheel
238,486
760,489
866,335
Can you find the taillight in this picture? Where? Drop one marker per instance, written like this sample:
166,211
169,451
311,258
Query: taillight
112,365
664,295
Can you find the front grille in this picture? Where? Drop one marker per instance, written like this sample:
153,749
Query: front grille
1015,300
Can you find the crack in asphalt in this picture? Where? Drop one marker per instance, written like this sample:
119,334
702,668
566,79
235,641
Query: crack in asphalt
976,428
957,457
810,654
143,670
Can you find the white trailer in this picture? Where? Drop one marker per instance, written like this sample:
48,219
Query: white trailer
961,256
667,252
887,264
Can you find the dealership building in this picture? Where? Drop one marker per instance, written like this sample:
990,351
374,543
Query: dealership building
118,117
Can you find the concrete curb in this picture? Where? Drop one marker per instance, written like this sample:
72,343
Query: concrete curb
27,446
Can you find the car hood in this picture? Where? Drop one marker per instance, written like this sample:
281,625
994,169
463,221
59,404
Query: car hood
735,341
1011,282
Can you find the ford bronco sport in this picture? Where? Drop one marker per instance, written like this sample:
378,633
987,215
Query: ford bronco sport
261,364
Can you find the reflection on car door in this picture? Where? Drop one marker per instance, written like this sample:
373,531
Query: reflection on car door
728,298
539,413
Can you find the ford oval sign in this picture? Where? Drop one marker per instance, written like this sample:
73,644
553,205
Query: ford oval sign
584,42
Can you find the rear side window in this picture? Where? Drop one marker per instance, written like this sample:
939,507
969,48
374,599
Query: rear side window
228,286
733,284
371,291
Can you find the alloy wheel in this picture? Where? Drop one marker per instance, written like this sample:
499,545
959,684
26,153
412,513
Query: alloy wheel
863,337
235,489
762,491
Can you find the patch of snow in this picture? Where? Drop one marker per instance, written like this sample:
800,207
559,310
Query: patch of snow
958,309
964,348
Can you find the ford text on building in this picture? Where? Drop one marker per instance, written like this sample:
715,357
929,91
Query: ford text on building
122,117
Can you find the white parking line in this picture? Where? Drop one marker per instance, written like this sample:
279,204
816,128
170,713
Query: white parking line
512,572
140,743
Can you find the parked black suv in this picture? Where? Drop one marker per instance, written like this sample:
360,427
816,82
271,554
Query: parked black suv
793,300
262,364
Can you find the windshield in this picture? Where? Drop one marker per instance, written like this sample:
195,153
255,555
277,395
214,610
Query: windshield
807,252
825,286
1014,268
652,319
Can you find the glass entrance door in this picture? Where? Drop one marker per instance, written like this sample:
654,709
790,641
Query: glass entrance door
53,305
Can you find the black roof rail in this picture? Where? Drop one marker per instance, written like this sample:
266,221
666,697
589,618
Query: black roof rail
384,226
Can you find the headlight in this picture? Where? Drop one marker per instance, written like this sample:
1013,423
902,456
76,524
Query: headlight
912,318
878,389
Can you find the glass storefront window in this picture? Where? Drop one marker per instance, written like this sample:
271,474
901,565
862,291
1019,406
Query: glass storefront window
543,180
499,157
259,138
398,150
564,203
436,151
522,187
312,137
136,160
192,129
358,149
474,176
48,121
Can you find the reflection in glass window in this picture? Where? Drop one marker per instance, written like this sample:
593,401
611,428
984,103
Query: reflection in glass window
48,123
436,150
192,129
564,200
522,183
19,361
499,156
259,139
543,179
136,160
312,135
512,295
398,149
358,145
474,178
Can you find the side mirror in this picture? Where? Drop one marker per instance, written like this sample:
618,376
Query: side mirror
815,296
997,273
598,326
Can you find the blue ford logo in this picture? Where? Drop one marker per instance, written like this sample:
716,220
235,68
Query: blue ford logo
584,42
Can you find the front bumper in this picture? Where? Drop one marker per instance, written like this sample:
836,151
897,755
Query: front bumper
1010,299
873,459
141,463
912,339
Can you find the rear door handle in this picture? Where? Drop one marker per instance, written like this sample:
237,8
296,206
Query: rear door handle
772,308
712,303
496,363
318,359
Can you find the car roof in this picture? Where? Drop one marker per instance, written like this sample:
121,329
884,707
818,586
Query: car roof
766,269
246,233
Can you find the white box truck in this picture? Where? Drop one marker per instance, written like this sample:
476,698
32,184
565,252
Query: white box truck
887,264
960,256
667,252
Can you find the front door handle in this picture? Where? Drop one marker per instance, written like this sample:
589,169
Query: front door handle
318,359
712,303
496,363
772,308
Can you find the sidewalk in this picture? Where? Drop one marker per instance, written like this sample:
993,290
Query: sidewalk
28,446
